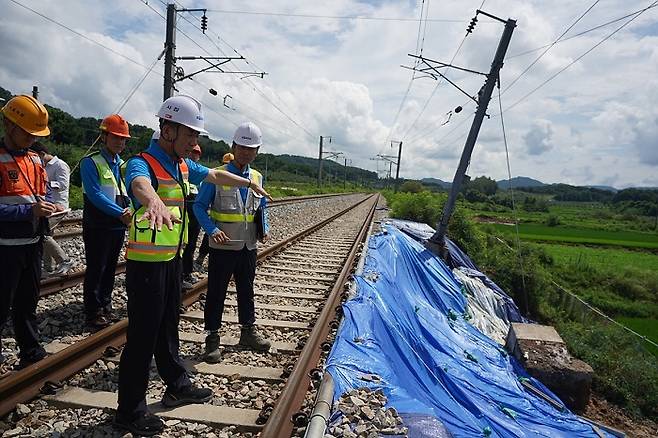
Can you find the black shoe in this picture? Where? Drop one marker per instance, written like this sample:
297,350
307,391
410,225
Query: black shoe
146,424
32,358
189,394
98,322
188,282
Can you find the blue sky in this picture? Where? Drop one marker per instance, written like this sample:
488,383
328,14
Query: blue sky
595,123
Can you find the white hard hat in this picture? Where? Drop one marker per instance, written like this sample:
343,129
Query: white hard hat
249,135
185,110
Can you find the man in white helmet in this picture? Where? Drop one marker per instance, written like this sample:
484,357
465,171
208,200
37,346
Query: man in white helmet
158,181
232,228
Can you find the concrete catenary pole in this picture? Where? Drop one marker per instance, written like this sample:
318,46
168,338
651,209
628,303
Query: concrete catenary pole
170,54
436,243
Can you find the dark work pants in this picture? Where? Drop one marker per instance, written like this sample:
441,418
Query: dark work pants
154,290
102,249
192,235
221,265
205,247
20,273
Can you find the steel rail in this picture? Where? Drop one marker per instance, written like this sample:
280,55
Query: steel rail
23,385
280,423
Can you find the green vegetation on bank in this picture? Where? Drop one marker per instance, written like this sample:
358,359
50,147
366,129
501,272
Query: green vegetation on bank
620,282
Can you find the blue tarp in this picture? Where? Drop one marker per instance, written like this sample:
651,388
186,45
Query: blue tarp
407,326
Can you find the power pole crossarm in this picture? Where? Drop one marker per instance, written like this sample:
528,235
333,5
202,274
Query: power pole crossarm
436,243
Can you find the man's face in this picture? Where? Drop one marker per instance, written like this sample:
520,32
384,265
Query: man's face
244,155
184,138
115,144
20,137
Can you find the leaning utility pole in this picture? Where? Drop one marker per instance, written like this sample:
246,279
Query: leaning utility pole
397,167
436,243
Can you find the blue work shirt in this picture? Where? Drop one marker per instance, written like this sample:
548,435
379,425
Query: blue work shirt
137,166
206,197
21,212
92,187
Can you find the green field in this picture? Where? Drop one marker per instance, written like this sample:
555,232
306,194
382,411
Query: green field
604,258
537,232
644,326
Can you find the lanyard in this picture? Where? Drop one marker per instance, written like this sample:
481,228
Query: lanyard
27,180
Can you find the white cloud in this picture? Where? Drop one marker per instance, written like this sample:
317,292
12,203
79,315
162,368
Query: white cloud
342,78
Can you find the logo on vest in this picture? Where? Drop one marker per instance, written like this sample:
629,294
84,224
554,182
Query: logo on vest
13,174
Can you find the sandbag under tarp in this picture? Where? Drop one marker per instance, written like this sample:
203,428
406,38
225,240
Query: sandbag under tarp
406,325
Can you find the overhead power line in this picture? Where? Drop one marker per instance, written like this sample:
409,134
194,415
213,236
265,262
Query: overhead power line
336,17
511,84
584,32
588,51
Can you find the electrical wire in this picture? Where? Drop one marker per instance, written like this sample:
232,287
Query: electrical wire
607,37
516,218
407,91
335,17
511,84
579,34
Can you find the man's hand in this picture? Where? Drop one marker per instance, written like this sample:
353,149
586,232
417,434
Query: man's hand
265,238
59,207
126,216
261,191
158,214
43,208
220,237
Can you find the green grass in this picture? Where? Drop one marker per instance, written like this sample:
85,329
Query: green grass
605,258
538,232
644,326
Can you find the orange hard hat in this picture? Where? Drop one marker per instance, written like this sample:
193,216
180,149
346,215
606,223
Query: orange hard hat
197,149
29,114
227,158
115,124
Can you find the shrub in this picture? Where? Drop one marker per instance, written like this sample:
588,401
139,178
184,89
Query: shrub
553,220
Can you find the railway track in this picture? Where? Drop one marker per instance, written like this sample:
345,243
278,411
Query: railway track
72,227
298,288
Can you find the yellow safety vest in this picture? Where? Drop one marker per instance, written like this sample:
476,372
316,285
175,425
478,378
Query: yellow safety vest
147,245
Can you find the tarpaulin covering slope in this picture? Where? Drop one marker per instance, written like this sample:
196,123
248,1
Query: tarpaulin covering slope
406,325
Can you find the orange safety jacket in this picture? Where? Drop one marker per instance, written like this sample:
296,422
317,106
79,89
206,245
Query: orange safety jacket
147,245
22,182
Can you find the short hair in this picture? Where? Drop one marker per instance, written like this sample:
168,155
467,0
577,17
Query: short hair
39,148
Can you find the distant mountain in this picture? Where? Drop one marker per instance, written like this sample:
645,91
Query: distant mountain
519,181
608,188
436,182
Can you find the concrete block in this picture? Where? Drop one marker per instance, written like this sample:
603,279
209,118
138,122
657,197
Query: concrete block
545,356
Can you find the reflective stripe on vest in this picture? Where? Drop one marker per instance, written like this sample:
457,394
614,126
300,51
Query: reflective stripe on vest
108,183
22,179
147,245
234,216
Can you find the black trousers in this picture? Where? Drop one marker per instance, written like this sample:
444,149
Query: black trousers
205,247
221,265
20,274
192,235
154,291
102,249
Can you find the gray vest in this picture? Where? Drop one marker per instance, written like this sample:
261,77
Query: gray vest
235,217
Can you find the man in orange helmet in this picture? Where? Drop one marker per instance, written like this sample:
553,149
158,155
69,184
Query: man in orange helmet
105,217
193,227
23,222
